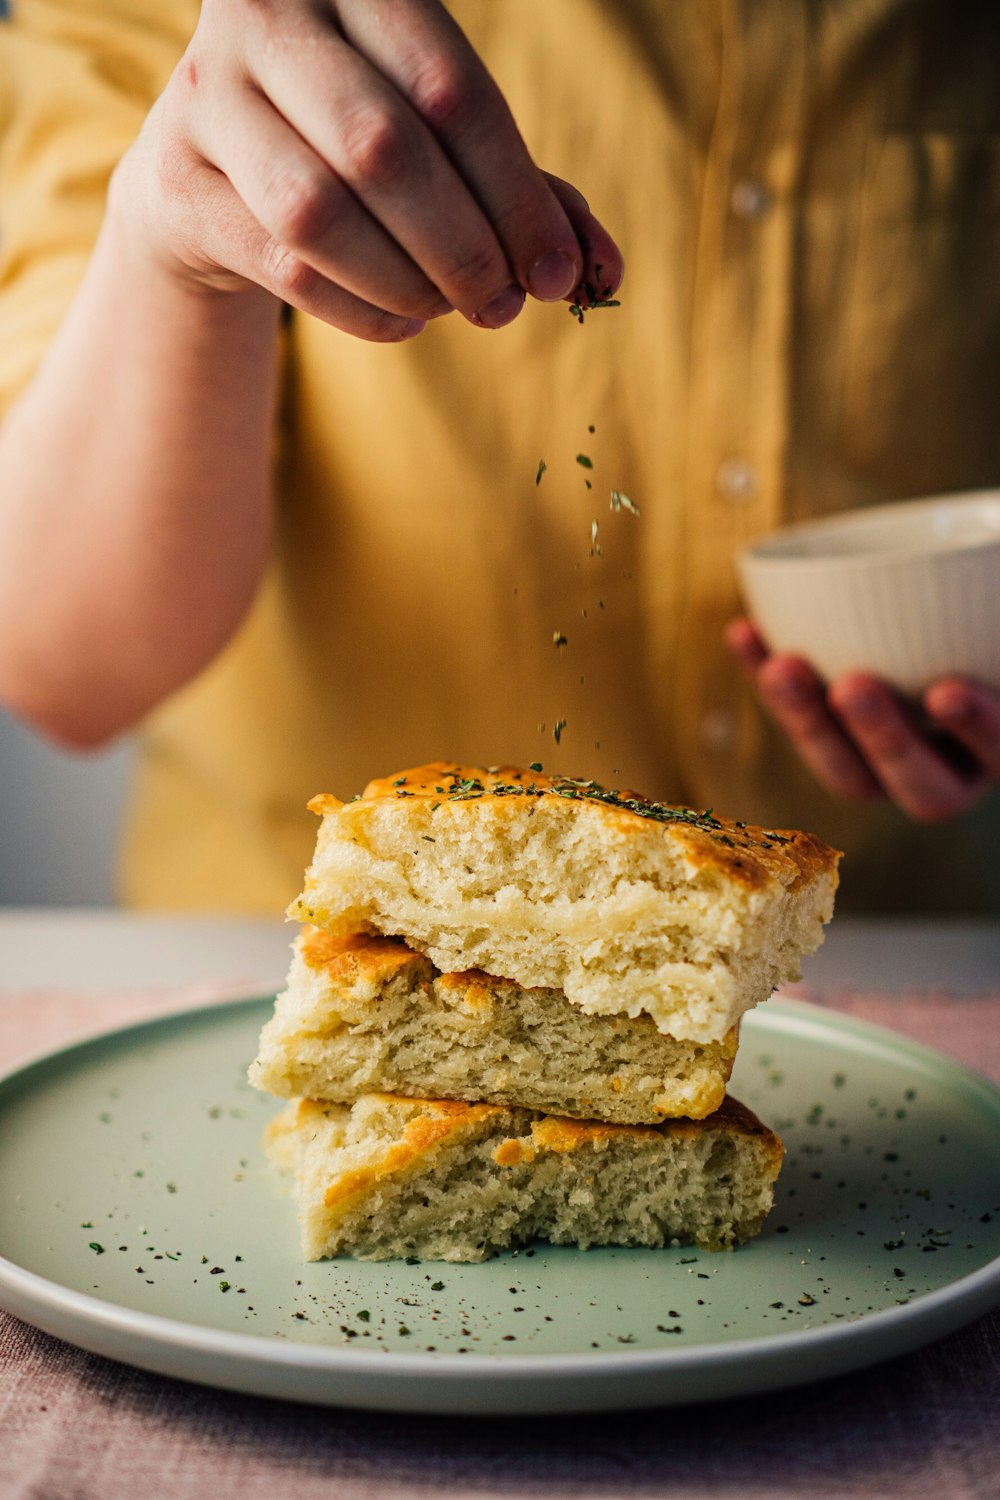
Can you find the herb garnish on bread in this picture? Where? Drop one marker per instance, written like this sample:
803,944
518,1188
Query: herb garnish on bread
626,905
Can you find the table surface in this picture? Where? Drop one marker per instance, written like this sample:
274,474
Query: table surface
75,1426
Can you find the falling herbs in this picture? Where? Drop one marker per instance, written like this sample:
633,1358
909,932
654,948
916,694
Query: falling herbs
619,501
590,295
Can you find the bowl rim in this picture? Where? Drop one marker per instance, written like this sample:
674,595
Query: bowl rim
759,552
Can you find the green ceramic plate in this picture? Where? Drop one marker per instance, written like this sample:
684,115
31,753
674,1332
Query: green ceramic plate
140,1221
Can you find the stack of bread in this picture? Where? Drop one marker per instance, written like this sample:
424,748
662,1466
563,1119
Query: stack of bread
513,1010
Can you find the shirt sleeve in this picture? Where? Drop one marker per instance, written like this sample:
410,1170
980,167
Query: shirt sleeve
77,78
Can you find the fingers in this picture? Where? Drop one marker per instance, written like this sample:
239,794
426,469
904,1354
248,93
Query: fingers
425,55
971,713
793,693
922,779
395,172
861,741
603,265
747,645
382,177
228,235
794,696
308,210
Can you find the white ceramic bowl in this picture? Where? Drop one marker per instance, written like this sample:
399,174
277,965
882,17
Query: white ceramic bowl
909,591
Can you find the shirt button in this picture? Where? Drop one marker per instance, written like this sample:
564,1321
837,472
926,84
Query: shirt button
736,480
750,199
717,729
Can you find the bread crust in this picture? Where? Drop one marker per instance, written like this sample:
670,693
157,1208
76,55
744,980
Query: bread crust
626,905
743,853
446,1180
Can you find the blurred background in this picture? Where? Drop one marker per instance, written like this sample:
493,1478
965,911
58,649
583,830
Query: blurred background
59,817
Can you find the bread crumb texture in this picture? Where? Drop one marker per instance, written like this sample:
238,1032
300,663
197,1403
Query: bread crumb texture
389,1177
366,1014
627,907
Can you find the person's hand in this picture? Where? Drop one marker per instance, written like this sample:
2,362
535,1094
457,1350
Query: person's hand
356,160
934,760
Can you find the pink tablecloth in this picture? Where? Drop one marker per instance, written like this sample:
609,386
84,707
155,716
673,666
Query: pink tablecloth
74,1426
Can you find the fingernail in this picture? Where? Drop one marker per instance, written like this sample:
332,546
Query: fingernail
412,328
502,310
552,277
952,705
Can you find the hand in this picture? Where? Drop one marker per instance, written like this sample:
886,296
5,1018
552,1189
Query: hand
356,160
862,742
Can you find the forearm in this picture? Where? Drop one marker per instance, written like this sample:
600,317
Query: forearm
134,493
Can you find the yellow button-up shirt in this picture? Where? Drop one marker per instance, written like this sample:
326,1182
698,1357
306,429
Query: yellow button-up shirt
808,197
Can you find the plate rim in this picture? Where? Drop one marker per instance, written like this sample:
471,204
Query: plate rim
898,1328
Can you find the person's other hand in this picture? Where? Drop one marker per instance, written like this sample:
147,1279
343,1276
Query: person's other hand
861,742
357,161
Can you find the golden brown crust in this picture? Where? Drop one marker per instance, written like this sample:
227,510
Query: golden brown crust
439,1120
745,854
513,1153
555,1133
357,955
376,960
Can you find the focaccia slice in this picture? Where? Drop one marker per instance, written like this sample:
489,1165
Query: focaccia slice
363,1014
391,1177
627,906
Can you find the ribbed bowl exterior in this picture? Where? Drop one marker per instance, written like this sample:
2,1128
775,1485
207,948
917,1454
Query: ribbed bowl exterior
910,620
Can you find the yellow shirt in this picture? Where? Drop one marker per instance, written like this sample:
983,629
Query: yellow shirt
808,198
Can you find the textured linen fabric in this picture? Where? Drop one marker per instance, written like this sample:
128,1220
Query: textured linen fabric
808,197
74,1426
